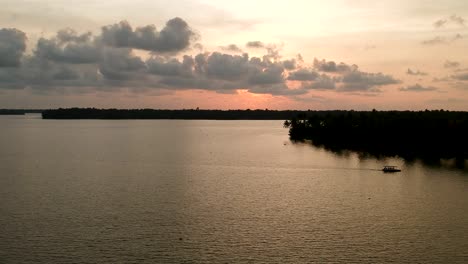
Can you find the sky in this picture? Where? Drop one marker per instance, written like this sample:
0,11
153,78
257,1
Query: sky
217,54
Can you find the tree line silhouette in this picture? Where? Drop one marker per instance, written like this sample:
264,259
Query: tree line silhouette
94,113
409,134
18,111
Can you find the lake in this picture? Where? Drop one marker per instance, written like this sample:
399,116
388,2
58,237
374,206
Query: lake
180,191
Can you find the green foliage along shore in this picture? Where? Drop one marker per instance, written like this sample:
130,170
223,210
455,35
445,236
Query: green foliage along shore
408,134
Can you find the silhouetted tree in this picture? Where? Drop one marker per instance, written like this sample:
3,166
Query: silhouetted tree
427,134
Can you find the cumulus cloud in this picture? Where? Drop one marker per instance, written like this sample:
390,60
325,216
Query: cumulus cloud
11,78
349,79
364,81
290,64
303,75
417,88
323,82
224,66
79,62
331,66
70,35
174,37
172,67
69,51
272,74
66,74
12,47
416,72
120,64
198,46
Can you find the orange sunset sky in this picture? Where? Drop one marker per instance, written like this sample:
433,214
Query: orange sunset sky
337,54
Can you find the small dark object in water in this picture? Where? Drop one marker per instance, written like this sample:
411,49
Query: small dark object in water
390,169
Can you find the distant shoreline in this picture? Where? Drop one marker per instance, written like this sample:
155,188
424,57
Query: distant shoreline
192,114
186,114
20,111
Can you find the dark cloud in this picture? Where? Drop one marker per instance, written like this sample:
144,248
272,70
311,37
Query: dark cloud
303,75
12,47
457,19
454,19
65,74
457,37
273,74
461,76
290,64
231,48
172,67
437,40
174,37
442,40
440,23
75,62
39,74
67,52
417,72
442,79
120,64
11,78
225,66
255,44
451,64
198,46
364,81
434,41
324,82
417,88
350,81
183,83
331,66
70,35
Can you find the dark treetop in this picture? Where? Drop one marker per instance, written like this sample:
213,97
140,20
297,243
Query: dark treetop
423,134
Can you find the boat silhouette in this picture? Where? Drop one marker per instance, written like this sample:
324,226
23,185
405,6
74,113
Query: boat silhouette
390,169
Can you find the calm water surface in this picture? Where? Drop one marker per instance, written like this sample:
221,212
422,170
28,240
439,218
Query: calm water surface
163,191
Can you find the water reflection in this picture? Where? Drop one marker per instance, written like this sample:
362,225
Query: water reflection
162,191
460,164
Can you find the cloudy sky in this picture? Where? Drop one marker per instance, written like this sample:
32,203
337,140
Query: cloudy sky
216,54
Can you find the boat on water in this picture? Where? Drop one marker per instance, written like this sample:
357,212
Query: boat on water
390,169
